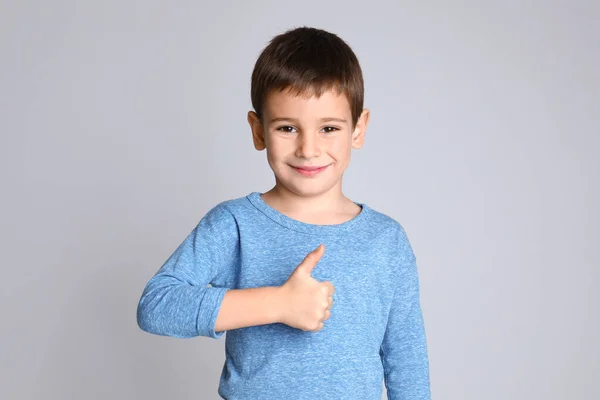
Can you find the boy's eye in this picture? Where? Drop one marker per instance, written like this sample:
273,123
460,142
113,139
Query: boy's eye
286,128
290,129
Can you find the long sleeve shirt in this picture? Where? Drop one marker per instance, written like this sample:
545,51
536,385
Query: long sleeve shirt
375,333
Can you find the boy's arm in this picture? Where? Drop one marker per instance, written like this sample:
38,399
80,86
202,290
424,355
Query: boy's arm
177,301
404,347
249,307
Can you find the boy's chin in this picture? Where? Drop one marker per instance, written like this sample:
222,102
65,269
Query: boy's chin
306,188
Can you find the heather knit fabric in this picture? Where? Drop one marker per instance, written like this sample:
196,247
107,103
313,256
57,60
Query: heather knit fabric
375,333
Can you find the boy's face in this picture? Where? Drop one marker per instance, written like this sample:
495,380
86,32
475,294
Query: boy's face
300,131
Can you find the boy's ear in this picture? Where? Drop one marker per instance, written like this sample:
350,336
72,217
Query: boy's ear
258,133
358,136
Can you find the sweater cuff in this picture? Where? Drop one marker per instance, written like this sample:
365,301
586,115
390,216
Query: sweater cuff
209,310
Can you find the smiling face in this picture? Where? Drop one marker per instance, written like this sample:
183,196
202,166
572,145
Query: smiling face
301,132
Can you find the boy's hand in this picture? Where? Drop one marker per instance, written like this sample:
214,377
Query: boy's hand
305,301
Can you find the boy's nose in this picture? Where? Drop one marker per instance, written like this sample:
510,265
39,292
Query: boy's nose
308,146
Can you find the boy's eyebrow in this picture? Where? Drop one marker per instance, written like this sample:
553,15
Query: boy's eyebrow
326,119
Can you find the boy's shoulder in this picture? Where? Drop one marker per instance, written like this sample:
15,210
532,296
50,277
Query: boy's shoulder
383,220
226,210
389,224
230,206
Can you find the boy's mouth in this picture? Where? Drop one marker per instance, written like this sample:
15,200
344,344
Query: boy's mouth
309,170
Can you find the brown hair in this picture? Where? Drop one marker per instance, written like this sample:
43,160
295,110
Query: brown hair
308,61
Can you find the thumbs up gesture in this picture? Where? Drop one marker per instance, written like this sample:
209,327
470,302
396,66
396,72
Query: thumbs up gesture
306,302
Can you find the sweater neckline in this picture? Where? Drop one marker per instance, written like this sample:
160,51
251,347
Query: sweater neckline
282,219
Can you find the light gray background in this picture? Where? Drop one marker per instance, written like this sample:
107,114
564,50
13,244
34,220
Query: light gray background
124,122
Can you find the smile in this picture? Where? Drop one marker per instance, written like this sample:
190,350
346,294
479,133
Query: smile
310,171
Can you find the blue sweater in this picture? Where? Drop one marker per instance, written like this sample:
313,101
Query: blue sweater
375,333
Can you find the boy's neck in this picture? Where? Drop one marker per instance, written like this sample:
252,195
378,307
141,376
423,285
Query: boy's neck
328,208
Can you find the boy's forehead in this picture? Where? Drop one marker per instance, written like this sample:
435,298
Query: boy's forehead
289,104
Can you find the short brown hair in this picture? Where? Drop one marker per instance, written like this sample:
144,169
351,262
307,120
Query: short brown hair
308,61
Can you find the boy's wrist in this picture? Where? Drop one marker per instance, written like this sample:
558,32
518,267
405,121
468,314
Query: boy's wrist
275,304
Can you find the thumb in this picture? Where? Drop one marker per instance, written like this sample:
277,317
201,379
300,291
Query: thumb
312,258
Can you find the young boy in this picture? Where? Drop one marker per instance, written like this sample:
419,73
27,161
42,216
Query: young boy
319,294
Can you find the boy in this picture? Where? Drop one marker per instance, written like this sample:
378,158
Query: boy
319,294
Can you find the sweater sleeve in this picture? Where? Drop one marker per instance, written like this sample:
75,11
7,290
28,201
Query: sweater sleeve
177,300
404,348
